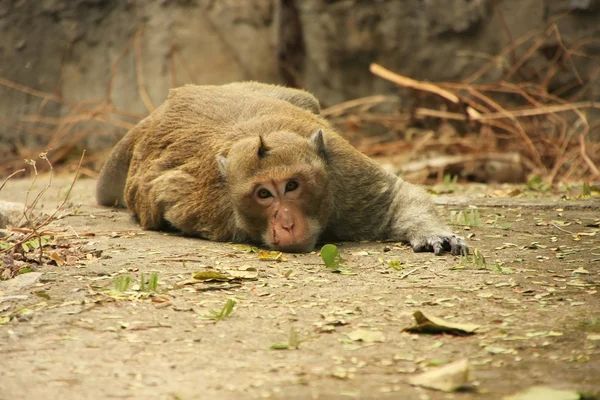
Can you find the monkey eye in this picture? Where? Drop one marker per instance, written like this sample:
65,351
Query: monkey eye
264,193
291,186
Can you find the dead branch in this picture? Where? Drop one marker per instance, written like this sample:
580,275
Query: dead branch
35,227
530,112
445,161
586,158
363,101
140,71
27,90
411,83
10,176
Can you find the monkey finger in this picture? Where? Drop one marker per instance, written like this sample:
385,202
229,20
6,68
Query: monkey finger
425,245
421,247
458,246
434,244
438,248
460,249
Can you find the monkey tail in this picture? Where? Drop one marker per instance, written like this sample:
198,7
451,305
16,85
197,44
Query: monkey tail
113,176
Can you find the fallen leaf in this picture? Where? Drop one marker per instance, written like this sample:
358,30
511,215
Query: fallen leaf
581,270
210,276
367,336
245,248
57,258
499,350
249,273
265,255
430,324
448,378
332,257
544,393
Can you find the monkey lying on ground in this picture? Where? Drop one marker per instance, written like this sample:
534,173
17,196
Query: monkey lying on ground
251,162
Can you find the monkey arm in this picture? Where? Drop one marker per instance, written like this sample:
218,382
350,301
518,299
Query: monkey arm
373,204
417,222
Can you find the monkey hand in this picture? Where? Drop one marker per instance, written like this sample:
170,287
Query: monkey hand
439,243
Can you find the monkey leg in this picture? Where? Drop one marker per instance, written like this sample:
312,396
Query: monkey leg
175,200
153,199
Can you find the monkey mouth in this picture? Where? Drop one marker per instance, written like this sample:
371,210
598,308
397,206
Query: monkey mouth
291,244
296,247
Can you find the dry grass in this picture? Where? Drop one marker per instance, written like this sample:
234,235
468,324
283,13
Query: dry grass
511,115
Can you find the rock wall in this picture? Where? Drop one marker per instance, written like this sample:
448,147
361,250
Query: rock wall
73,49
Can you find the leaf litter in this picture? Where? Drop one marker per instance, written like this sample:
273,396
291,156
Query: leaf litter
448,378
434,325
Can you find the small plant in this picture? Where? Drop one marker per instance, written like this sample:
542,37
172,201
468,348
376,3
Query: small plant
122,283
496,225
292,343
224,313
499,267
35,243
450,180
152,284
476,258
536,183
395,264
469,217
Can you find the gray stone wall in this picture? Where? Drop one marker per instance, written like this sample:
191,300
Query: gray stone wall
68,48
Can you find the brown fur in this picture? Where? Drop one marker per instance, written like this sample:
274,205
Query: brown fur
174,178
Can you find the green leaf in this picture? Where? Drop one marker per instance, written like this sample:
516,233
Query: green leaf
397,265
331,256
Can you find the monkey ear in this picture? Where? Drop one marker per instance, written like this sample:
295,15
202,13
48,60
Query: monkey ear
263,150
222,164
319,143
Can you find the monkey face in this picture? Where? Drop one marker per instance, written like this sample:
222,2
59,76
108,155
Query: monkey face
280,190
281,203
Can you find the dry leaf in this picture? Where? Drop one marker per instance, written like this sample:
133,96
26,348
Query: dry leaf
265,255
544,393
210,276
58,259
367,336
249,273
430,324
448,378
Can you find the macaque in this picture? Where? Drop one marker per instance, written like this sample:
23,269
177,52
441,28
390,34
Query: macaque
257,163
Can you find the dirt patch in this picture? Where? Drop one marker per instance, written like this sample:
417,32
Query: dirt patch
71,335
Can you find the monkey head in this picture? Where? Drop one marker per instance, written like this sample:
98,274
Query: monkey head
279,188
